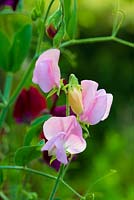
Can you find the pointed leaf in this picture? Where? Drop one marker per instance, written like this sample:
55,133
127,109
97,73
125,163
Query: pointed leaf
20,47
26,154
4,50
40,120
35,129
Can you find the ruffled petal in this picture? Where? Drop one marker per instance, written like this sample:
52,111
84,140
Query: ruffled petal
60,151
109,103
56,125
89,89
51,54
75,144
98,110
42,75
47,71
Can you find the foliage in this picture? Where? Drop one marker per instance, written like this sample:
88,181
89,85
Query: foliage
95,39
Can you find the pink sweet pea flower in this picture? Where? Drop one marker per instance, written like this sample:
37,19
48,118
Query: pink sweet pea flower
96,104
64,134
47,73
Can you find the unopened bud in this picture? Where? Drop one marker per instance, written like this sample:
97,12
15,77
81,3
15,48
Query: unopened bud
75,100
53,23
51,31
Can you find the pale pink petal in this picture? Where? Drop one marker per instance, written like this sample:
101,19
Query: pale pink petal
42,76
56,74
109,103
60,151
89,89
75,144
101,92
49,144
98,110
52,127
51,54
56,125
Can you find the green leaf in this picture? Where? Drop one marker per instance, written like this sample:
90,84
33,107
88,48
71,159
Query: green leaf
40,120
35,129
72,24
67,7
26,154
1,176
20,47
4,50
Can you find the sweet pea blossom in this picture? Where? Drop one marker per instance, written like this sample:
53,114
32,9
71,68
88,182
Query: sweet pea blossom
29,105
64,134
96,103
47,73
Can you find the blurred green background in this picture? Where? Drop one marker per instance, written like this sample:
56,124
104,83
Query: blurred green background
111,143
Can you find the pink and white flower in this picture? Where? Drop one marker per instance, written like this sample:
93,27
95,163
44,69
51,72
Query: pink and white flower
64,135
96,103
47,73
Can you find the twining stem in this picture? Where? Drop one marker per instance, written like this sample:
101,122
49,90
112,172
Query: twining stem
67,106
33,171
99,180
52,195
95,40
7,89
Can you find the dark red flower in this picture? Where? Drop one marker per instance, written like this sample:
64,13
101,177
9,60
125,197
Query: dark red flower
12,3
29,105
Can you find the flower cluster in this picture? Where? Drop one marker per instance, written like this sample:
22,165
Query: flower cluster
64,134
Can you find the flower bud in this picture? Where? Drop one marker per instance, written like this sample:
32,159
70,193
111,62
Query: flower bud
75,100
51,31
53,23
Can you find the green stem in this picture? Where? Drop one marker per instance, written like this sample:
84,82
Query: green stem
95,40
2,195
67,106
127,43
42,27
52,195
7,89
23,80
99,180
74,191
85,41
33,171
